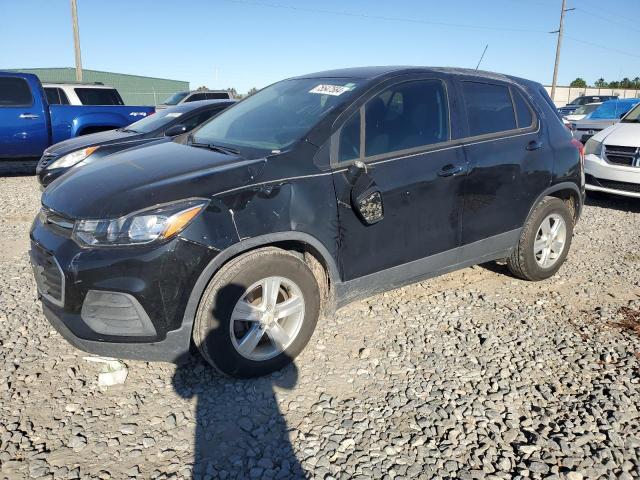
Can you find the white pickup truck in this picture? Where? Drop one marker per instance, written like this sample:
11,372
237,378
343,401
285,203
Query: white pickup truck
81,94
612,157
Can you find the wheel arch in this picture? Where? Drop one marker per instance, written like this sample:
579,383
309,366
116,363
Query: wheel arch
301,242
565,191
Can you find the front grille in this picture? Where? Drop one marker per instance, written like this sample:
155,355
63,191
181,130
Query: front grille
48,274
46,160
622,186
619,155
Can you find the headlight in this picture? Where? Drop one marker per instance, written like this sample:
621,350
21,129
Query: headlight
145,226
70,159
593,147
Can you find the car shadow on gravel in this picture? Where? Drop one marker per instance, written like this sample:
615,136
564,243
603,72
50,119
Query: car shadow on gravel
240,431
624,204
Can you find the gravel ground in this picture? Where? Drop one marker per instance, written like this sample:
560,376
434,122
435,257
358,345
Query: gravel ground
471,375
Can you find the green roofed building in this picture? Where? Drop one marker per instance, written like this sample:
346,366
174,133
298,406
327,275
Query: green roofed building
134,89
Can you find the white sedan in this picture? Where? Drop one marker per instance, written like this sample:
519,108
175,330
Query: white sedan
612,157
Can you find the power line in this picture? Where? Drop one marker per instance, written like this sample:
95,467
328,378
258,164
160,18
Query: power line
604,47
597,15
381,17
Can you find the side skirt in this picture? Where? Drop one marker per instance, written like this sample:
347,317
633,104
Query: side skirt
492,248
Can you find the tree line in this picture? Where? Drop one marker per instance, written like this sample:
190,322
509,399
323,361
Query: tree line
234,93
625,83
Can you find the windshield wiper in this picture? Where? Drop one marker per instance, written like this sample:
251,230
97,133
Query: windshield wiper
212,146
128,130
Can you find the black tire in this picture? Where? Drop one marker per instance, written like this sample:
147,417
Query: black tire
211,332
522,262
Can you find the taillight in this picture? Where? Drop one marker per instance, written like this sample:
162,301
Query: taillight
578,144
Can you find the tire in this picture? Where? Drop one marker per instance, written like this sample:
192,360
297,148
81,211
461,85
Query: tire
220,343
524,262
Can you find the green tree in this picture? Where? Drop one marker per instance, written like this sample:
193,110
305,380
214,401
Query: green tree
636,83
626,83
233,92
203,87
601,83
252,91
614,84
578,82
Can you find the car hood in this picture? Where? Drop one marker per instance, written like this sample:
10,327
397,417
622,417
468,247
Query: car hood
84,141
142,177
623,134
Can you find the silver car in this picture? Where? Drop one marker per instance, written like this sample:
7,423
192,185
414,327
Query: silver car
194,96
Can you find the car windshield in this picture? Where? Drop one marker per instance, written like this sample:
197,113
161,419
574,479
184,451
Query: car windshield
612,109
277,116
633,116
175,98
585,109
154,122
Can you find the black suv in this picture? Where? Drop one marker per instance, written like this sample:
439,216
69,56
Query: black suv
314,192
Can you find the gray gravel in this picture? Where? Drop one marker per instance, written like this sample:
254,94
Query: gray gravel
468,376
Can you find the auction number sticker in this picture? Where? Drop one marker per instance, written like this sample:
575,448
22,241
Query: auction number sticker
173,114
334,90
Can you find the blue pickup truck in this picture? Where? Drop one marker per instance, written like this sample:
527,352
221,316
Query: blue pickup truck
28,124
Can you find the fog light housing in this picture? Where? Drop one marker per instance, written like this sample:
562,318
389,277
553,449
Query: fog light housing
116,313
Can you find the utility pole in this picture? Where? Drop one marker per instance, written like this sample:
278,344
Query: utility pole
76,39
560,32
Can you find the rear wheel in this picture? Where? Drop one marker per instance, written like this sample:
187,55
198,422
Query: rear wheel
257,313
544,242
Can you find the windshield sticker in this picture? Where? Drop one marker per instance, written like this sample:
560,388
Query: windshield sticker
334,90
173,114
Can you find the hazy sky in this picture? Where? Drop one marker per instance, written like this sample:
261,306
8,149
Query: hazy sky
256,42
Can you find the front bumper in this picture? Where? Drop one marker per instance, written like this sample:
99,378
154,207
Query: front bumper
602,176
157,278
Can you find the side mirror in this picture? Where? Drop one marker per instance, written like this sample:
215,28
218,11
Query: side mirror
175,130
355,170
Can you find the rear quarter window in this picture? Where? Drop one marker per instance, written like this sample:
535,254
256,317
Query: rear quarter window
15,92
98,96
489,108
523,110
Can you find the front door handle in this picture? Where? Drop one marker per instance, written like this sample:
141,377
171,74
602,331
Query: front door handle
29,116
451,170
534,145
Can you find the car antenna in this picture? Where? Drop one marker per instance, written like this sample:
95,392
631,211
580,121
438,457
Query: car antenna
482,56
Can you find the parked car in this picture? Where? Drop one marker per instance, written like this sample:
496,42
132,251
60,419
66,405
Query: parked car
93,93
569,108
609,113
312,193
194,96
28,124
582,112
612,163
59,158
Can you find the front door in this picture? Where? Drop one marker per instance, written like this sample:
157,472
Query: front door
399,180
23,130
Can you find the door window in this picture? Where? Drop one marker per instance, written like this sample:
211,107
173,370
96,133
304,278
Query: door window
350,139
14,92
489,108
195,97
523,110
217,96
406,115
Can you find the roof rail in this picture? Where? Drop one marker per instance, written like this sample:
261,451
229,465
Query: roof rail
59,82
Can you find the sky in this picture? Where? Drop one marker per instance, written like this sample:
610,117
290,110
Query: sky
252,43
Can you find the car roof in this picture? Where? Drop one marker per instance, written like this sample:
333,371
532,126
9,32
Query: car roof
76,85
370,73
623,101
189,106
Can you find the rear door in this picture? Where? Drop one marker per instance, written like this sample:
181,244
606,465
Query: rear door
510,163
404,203
24,130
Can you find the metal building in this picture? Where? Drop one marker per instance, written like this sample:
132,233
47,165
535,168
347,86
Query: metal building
134,89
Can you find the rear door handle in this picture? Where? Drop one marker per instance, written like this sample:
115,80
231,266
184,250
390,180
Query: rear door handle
534,145
29,116
451,170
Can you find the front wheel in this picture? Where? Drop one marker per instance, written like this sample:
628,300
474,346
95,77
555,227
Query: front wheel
544,242
257,313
